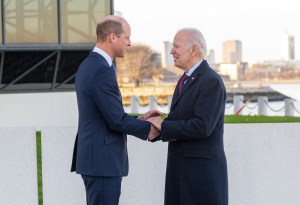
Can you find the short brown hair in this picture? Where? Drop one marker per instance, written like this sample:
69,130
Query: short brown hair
107,27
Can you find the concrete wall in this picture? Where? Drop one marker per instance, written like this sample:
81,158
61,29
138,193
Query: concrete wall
56,109
38,109
263,163
18,173
263,166
59,109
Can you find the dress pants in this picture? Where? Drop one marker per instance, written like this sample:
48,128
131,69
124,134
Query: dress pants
102,190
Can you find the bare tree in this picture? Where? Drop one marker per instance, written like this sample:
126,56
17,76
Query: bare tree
138,63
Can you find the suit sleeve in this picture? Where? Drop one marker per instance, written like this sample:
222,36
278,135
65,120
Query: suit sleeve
208,112
108,99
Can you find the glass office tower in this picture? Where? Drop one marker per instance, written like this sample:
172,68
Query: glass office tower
44,41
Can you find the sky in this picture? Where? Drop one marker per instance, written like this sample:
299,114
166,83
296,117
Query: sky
258,24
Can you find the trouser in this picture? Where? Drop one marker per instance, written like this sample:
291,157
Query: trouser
102,190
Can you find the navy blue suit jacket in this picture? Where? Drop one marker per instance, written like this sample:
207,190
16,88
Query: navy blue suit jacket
100,147
196,165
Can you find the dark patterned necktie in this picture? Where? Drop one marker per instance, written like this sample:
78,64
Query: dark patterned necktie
113,66
182,82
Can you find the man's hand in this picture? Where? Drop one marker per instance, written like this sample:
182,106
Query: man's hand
151,113
153,133
156,122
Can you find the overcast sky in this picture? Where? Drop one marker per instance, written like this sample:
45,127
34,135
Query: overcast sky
259,24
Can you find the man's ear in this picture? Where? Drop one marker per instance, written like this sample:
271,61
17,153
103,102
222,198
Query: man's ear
195,50
112,37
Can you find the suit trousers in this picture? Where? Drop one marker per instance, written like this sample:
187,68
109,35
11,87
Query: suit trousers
102,190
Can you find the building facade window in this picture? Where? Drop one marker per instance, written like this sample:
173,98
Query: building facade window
44,41
79,19
31,21
16,63
1,23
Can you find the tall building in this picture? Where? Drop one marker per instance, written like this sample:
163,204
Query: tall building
288,47
42,42
166,57
232,51
233,71
210,57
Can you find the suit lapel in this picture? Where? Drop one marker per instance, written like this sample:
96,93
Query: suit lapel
188,84
102,59
175,94
192,79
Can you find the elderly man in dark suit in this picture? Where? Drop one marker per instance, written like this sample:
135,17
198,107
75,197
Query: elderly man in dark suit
196,165
100,150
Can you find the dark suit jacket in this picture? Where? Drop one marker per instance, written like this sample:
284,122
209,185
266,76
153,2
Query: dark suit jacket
196,166
100,147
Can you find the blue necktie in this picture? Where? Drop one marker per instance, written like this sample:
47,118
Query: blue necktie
113,66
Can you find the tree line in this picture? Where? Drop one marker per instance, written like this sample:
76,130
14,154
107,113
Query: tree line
140,63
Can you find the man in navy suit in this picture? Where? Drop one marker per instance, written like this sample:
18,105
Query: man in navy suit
196,165
100,150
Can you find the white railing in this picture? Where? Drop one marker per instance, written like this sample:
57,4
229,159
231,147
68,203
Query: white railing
60,108
263,106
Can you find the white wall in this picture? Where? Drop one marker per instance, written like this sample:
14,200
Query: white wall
59,109
263,166
60,186
263,159
18,173
263,163
38,109
54,109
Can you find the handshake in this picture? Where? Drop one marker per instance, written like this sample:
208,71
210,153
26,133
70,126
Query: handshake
153,116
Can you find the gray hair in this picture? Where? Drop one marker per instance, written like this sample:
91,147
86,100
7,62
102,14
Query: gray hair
195,37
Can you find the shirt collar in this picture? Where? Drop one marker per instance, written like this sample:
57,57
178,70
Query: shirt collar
190,72
105,55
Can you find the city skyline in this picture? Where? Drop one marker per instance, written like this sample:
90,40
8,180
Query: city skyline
259,25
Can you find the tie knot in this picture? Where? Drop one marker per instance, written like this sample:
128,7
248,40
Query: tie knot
185,77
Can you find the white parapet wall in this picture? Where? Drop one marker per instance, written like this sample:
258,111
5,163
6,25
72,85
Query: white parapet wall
38,109
263,166
263,159
60,109
18,172
263,163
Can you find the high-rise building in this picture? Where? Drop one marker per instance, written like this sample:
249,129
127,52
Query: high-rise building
42,42
232,51
288,47
210,57
166,57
